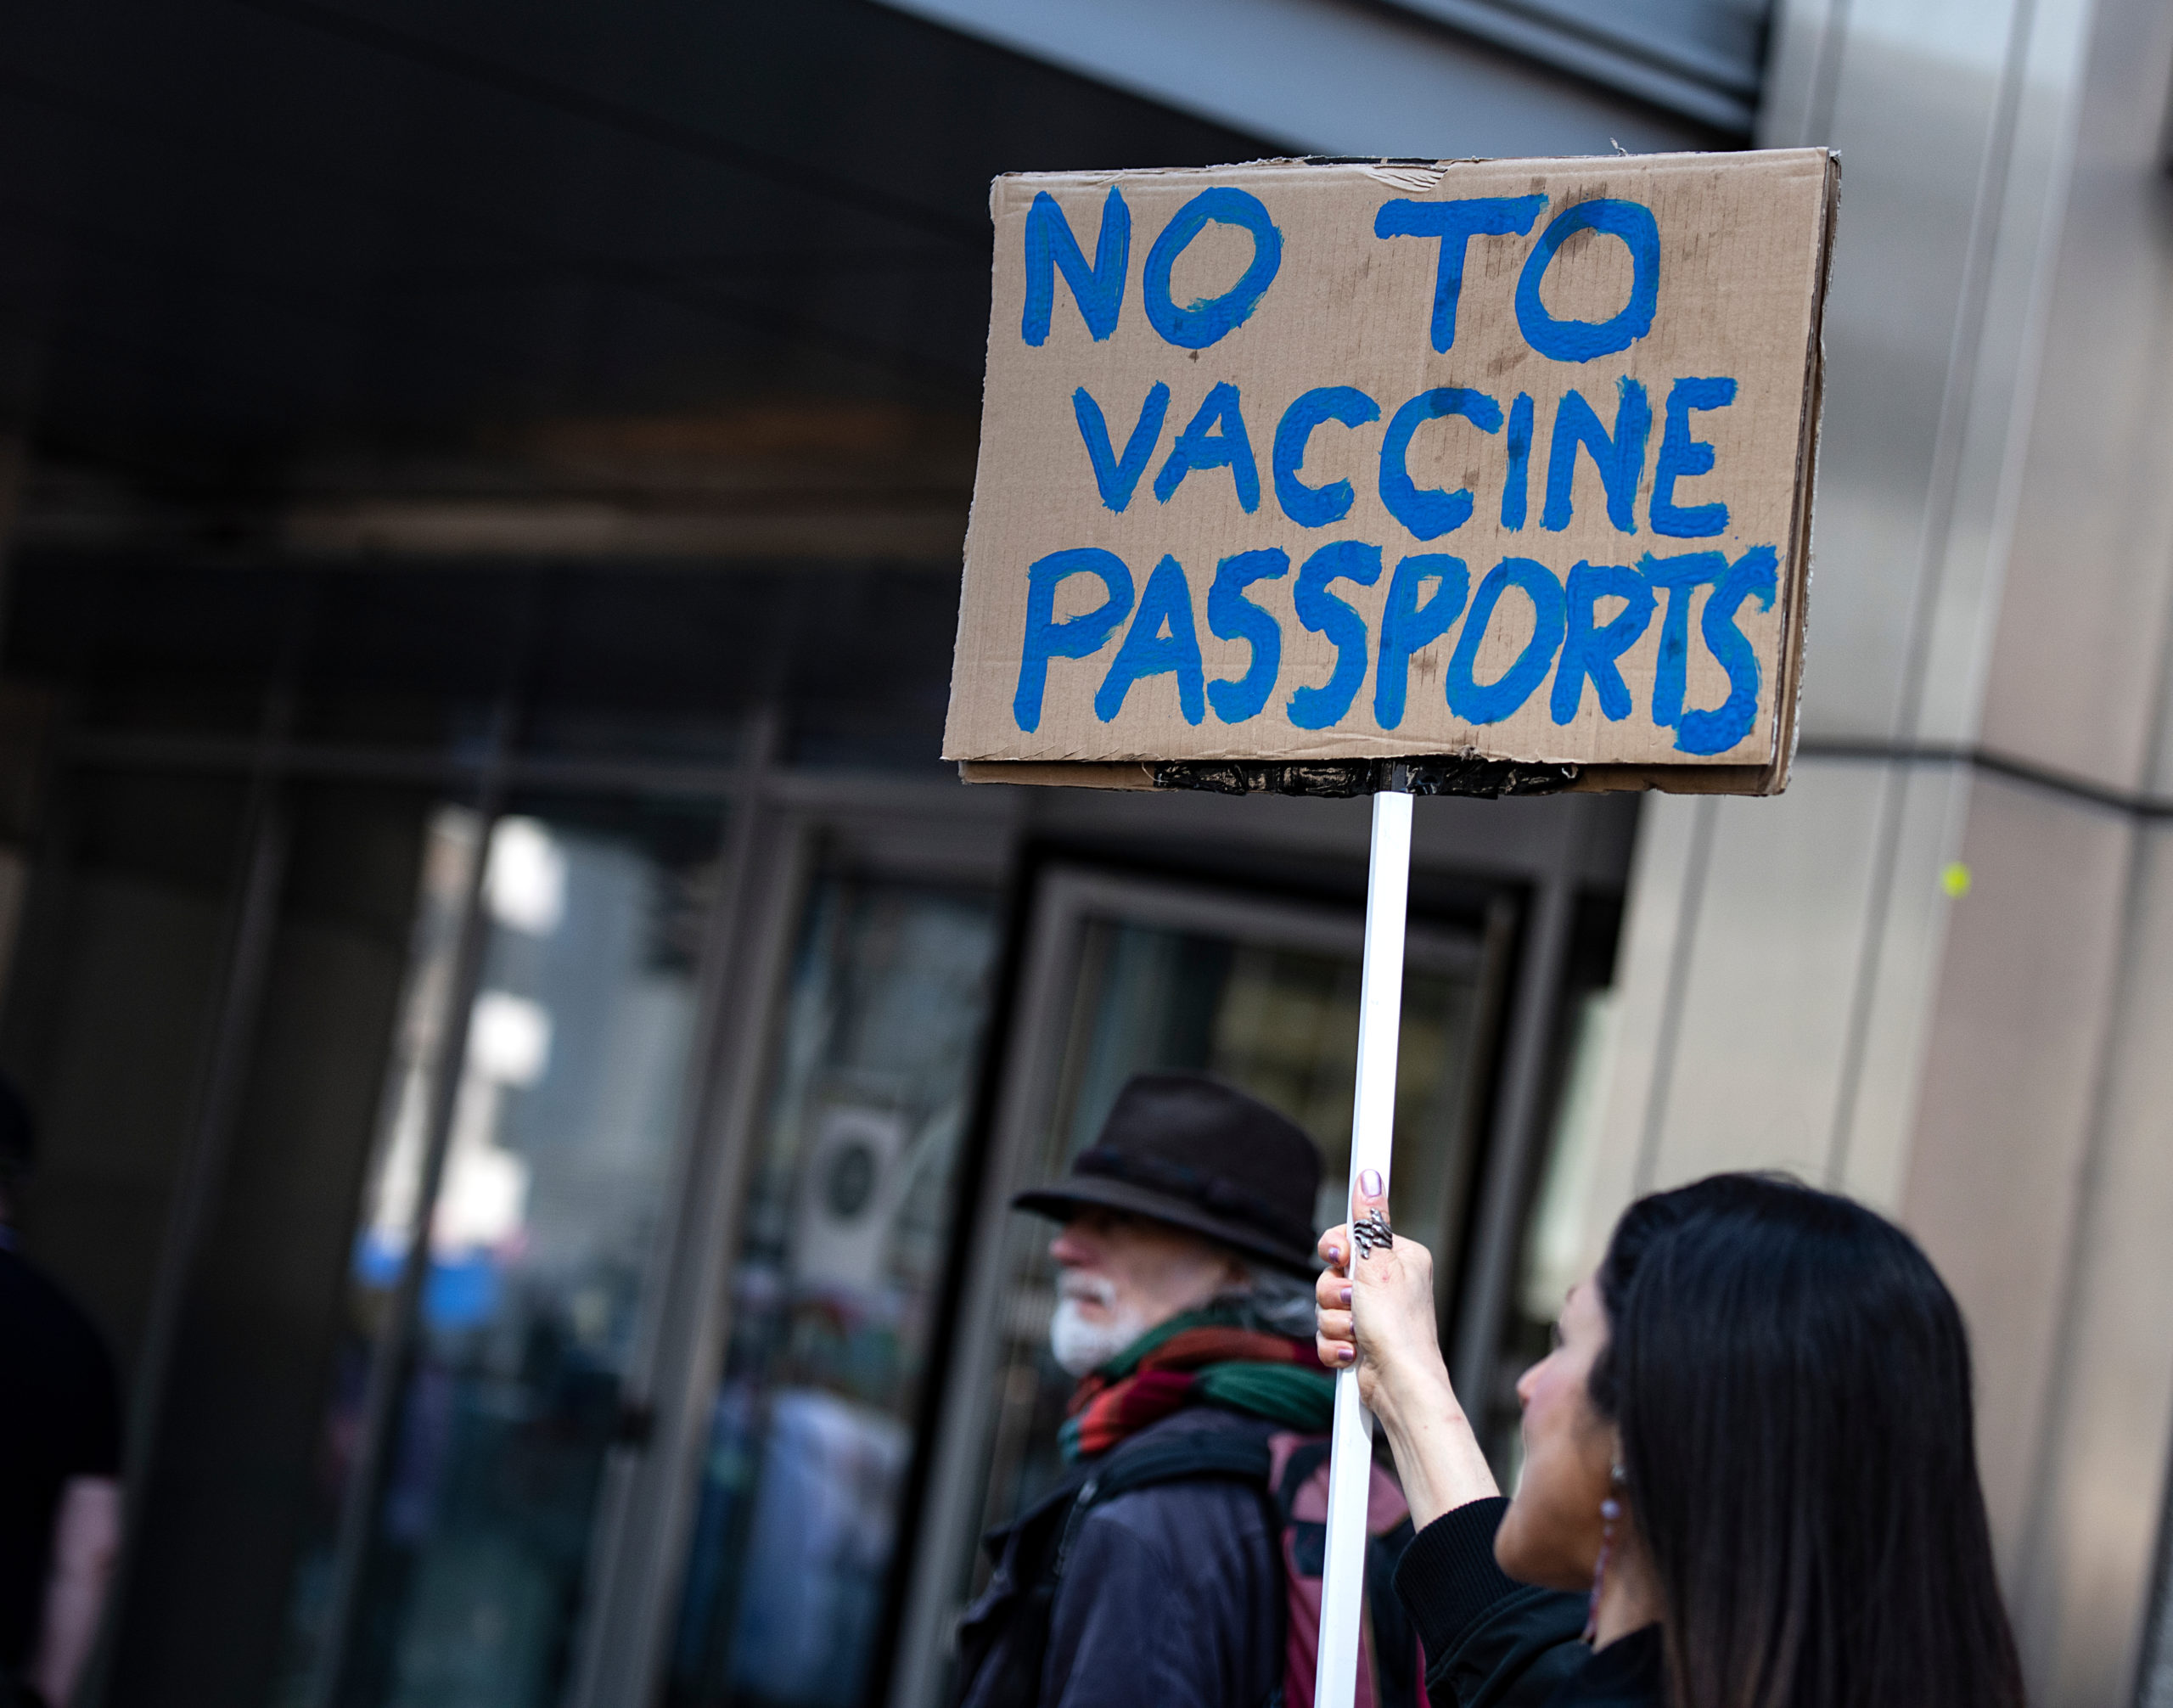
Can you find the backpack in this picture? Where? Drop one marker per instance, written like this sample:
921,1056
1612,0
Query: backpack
1003,1637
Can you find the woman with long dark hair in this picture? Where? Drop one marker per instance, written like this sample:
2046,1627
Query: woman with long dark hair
1749,1474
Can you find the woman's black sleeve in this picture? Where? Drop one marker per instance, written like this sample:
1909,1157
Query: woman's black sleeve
1490,1642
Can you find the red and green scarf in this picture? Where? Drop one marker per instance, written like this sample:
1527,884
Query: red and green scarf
1200,1358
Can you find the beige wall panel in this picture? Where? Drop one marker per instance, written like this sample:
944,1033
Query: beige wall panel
1805,48
2160,778
2088,1571
2081,632
1994,380
1764,1010
1666,876
2009,1076
2160,781
1914,103
1898,984
1995,505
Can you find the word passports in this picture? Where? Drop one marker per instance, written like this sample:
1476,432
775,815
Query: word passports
1503,460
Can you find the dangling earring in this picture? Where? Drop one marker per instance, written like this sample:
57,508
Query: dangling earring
1610,1510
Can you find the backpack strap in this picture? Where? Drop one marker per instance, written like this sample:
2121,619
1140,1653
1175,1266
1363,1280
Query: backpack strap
1183,1458
1170,1458
1305,1459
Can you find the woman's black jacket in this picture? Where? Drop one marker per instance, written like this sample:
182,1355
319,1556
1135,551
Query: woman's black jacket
1494,1643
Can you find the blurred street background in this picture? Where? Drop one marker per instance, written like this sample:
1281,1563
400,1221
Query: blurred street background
531,1045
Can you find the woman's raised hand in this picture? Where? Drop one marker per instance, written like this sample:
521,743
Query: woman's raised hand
1376,1315
1376,1299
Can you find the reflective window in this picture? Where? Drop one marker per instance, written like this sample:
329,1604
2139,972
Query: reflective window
1272,1005
833,1299
547,1176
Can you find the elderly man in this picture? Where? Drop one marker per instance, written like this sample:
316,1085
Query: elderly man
1154,1573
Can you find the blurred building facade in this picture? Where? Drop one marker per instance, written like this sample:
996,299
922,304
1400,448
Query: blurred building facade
532,1046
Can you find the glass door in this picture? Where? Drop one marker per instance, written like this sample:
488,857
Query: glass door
1123,976
505,1266
840,1252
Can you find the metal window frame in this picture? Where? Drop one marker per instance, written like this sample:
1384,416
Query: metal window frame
773,815
770,815
1065,899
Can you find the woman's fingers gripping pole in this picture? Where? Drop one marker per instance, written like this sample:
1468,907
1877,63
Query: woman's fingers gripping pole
1370,1233
1332,1334
1353,1252
1376,1315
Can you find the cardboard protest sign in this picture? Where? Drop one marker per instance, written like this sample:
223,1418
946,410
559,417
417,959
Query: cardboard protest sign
1503,460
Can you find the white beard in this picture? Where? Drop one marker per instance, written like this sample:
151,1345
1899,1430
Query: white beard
1080,1345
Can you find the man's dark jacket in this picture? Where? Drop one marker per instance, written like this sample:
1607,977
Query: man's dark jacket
1172,1595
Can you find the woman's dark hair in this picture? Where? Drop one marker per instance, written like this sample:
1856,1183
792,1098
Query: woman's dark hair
1790,1380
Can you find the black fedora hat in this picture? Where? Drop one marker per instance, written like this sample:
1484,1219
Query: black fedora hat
1185,1150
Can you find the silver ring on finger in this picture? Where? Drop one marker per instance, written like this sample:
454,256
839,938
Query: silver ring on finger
1370,1233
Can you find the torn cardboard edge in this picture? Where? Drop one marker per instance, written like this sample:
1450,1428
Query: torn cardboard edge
1490,779
1788,697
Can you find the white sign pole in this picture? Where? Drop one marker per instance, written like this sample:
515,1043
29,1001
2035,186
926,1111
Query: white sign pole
1372,1122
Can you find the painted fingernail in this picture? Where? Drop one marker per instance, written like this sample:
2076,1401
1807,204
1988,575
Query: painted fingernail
1369,1182
1346,1295
1335,1254
1343,1355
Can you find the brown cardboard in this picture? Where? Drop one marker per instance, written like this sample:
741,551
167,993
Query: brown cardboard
1736,293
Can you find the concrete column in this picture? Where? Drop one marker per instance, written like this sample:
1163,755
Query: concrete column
1938,973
